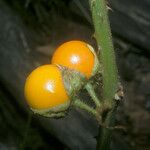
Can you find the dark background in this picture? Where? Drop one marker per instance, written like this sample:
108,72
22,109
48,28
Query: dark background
30,30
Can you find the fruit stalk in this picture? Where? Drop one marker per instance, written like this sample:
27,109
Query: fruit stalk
89,87
79,104
107,58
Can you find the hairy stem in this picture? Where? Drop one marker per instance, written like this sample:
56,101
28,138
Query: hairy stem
107,58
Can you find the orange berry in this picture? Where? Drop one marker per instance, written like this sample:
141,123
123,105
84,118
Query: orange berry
75,55
44,88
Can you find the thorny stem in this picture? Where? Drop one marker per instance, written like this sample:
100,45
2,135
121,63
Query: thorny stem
90,89
107,58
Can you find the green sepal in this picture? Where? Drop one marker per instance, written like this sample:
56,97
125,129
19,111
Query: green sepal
73,80
97,66
54,112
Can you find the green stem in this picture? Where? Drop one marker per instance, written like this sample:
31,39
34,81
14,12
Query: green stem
107,58
104,136
90,89
104,41
79,104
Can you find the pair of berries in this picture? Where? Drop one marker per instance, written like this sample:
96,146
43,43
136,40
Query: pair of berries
49,88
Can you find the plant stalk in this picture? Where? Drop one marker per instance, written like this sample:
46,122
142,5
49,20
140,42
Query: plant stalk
107,59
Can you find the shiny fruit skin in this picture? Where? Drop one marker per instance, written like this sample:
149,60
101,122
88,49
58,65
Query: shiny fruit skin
44,88
75,55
